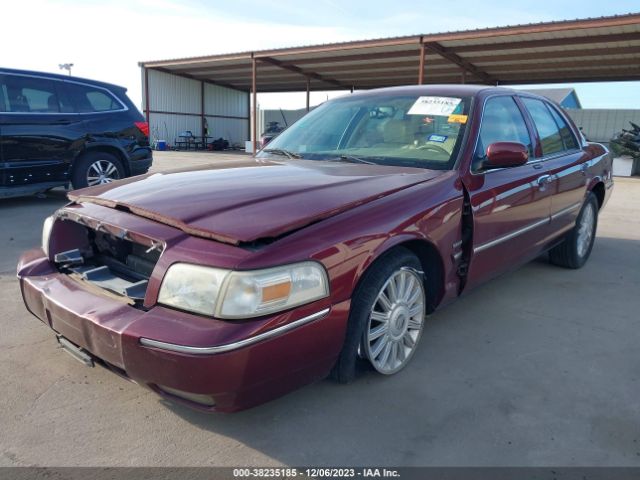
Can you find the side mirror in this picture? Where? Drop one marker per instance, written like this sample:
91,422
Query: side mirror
506,154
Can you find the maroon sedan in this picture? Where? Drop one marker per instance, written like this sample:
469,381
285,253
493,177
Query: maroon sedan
222,288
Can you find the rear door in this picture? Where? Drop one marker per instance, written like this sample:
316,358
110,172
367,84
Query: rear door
564,162
510,206
38,131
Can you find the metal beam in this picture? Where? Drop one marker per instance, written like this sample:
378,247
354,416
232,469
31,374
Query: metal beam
295,68
454,58
333,71
550,42
146,95
559,75
423,52
348,77
254,109
202,117
551,55
337,59
585,64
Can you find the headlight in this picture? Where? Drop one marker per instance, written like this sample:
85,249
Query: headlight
231,294
191,287
46,233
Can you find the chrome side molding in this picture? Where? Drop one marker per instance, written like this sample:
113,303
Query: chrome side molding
147,342
509,236
525,229
566,210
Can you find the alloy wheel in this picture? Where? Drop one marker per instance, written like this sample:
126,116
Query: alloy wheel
395,322
585,229
101,172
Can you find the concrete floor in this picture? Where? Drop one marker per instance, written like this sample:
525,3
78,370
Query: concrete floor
539,367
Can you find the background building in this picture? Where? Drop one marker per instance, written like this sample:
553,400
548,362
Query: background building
180,104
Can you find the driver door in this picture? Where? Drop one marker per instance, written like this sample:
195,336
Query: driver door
510,206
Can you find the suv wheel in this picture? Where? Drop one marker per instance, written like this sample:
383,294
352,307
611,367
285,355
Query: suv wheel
96,168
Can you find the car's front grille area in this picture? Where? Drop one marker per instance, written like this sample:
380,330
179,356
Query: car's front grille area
110,261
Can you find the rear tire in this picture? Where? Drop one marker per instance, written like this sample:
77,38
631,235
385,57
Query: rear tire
574,251
402,324
96,168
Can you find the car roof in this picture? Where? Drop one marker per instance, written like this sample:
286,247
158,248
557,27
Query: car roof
58,76
462,90
445,90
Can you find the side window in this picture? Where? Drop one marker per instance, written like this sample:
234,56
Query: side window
565,132
502,121
546,126
87,99
4,99
29,94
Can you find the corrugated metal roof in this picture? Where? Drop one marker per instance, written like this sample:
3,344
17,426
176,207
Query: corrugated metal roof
591,49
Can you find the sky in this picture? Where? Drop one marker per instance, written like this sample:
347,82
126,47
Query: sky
106,39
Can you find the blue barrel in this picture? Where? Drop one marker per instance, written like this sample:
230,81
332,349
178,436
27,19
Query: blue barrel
162,145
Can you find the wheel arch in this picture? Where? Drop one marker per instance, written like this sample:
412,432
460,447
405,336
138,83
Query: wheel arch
429,257
598,189
107,148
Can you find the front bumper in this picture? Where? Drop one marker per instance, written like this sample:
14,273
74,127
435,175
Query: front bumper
240,377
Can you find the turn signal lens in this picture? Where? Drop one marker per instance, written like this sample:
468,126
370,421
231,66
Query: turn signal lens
260,292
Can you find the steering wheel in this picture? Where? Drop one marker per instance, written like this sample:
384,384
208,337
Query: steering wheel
435,148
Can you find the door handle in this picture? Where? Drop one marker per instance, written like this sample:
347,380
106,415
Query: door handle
545,179
542,181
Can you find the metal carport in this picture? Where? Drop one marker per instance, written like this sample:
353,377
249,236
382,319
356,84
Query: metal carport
583,50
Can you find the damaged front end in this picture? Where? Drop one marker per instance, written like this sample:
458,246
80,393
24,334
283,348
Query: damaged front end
104,256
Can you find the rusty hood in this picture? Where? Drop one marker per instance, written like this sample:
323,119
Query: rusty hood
253,199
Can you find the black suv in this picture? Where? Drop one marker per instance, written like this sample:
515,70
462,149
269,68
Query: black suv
56,130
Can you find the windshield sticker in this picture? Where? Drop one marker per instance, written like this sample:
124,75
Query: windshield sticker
438,138
457,119
443,106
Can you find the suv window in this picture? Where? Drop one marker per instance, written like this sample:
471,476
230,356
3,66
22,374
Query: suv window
4,99
87,99
502,121
565,132
550,137
29,94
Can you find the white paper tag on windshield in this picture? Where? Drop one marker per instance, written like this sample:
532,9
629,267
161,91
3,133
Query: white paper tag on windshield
434,106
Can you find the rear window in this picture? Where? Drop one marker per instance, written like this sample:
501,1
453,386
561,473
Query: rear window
565,132
88,99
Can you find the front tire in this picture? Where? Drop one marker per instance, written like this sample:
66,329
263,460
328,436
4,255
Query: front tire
575,250
96,168
386,318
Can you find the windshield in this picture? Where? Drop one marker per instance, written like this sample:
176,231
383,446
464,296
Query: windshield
403,130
